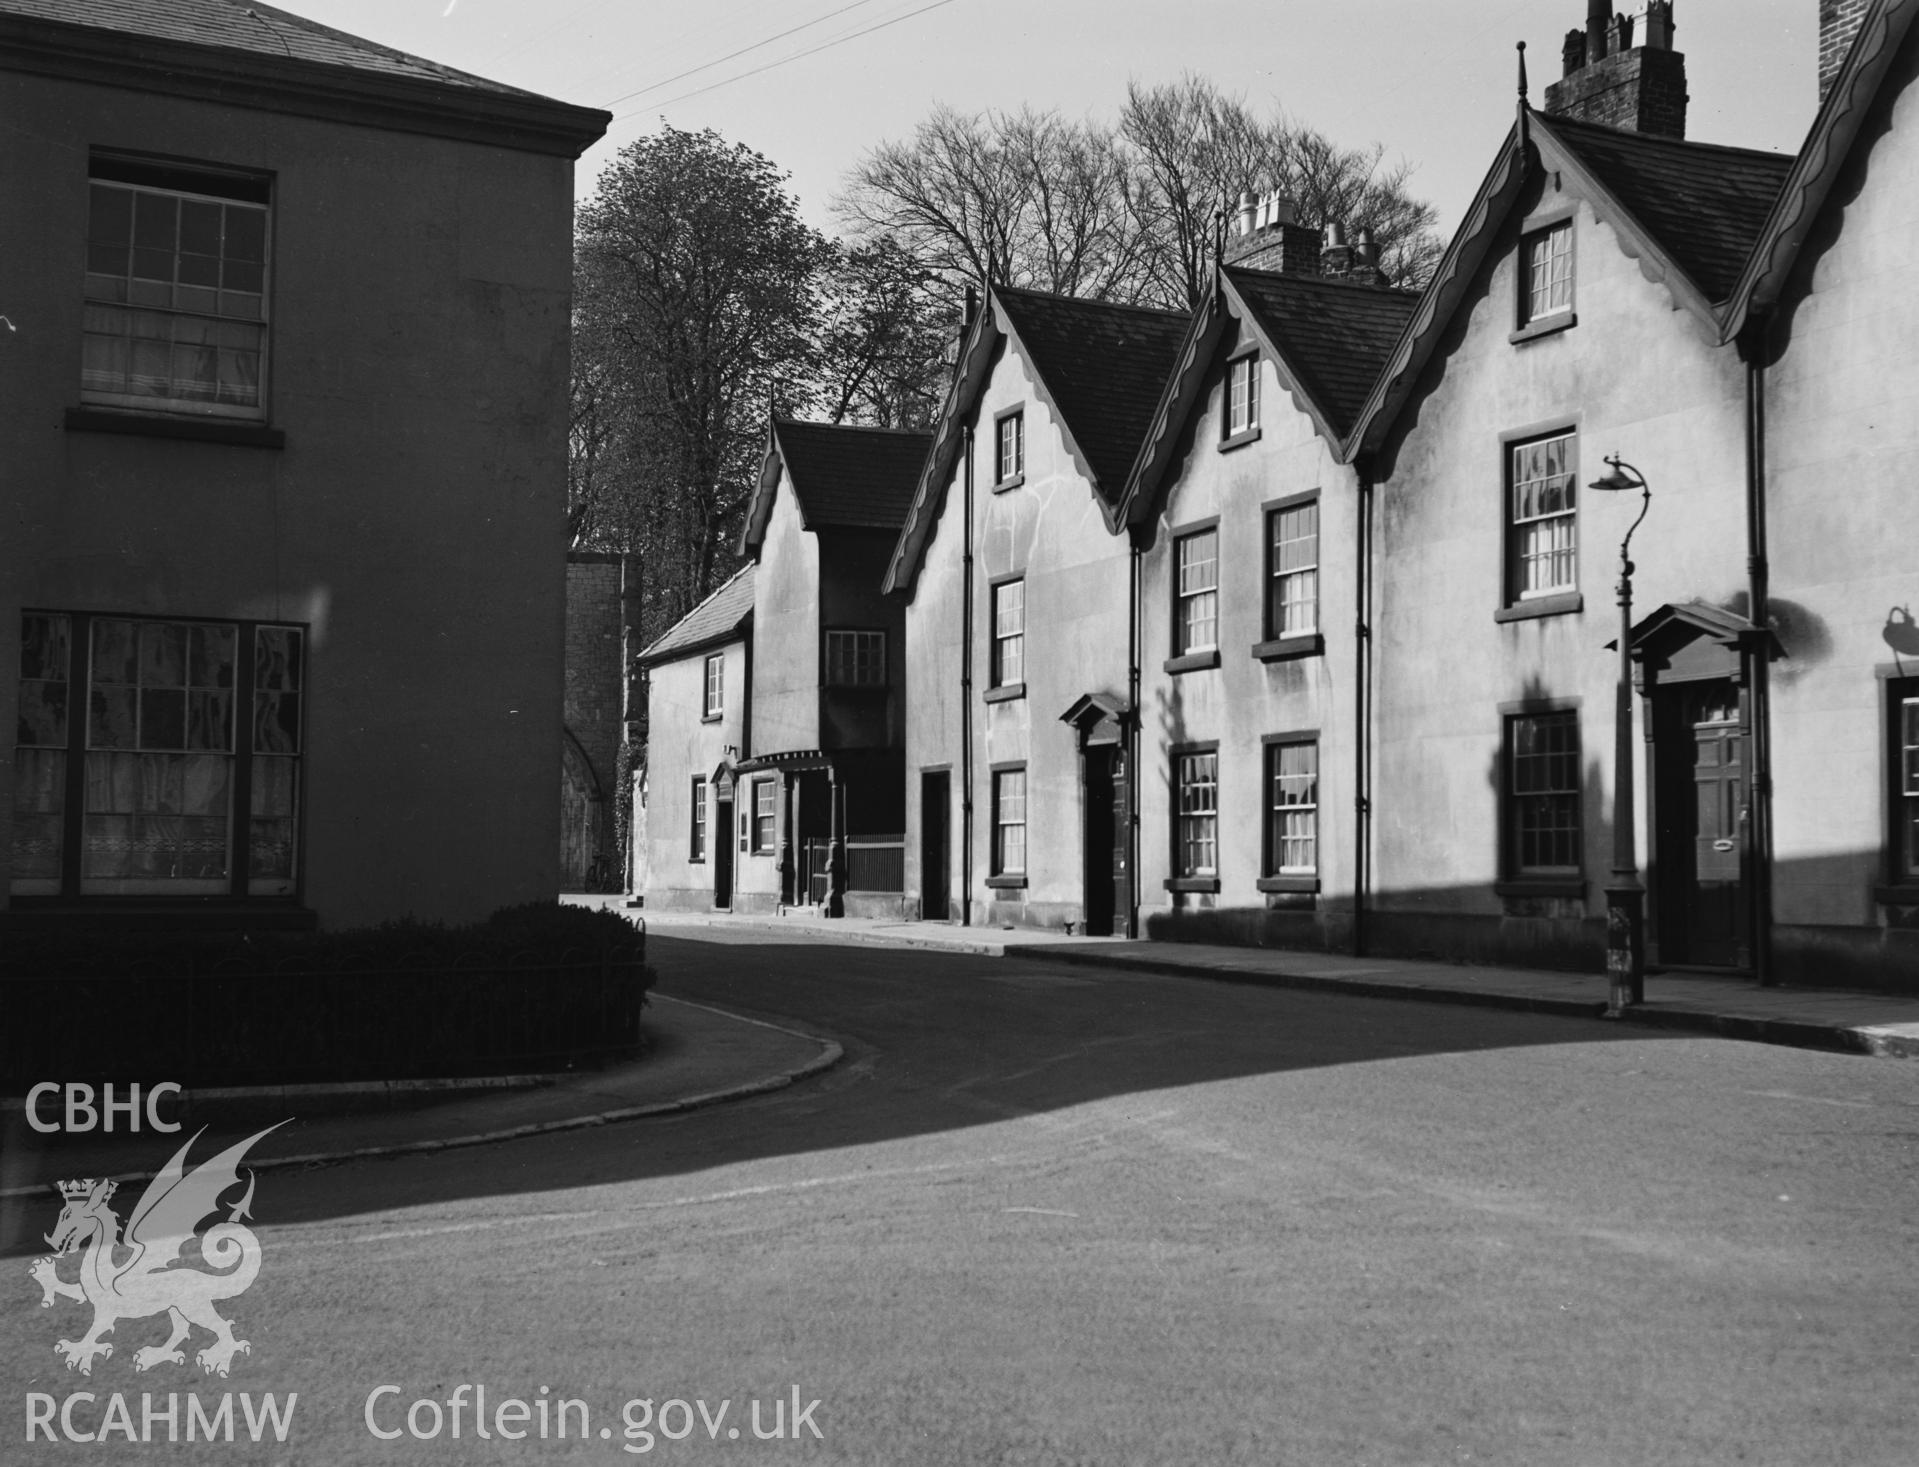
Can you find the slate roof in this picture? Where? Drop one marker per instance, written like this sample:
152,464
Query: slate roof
1102,367
1336,334
246,25
716,619
1705,204
852,478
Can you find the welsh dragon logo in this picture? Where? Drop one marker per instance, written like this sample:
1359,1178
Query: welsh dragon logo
145,1273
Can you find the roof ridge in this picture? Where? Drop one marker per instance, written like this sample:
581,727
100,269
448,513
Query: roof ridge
1654,139
847,427
1327,282
1087,300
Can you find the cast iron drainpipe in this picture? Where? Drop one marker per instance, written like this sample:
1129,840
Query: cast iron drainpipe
966,684
1759,595
1132,733
1362,713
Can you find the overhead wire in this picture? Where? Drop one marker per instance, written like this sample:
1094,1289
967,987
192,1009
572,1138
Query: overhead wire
731,55
784,60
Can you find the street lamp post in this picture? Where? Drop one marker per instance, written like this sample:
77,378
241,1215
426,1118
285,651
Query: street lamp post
1625,895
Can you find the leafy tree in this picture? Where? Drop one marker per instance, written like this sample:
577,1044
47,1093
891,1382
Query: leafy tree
697,287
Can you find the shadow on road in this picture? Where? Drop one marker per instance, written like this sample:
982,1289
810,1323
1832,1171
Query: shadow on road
936,1043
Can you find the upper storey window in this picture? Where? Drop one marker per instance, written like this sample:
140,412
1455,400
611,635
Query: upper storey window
1548,285
176,289
1242,395
1543,517
1009,456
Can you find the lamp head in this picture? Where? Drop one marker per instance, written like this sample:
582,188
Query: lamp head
1619,477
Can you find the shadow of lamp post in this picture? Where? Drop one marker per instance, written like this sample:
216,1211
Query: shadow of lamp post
1625,894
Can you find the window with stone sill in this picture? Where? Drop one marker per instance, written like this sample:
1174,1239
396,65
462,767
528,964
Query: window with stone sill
1196,593
1242,395
1196,786
1009,458
1547,261
696,845
1009,822
1292,559
1292,791
176,289
1009,634
1542,796
1542,524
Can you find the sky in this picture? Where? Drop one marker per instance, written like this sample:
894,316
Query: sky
1434,83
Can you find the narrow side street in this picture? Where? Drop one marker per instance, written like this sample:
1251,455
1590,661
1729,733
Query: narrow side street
1057,1214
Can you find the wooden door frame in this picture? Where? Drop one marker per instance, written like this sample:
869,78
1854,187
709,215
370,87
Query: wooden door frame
1667,737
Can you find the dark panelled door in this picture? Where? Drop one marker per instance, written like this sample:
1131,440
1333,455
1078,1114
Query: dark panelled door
1715,919
723,850
935,891
1108,880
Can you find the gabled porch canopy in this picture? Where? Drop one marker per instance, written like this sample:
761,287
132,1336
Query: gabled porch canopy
1099,718
1691,639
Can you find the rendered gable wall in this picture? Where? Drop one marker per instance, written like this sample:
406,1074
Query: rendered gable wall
1633,377
1243,700
1842,441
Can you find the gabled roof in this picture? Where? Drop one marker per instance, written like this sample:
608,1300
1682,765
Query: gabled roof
1333,335
721,617
844,477
1690,213
1099,368
1835,133
250,54
1327,338
1706,204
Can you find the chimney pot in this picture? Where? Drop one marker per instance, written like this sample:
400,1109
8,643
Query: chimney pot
1573,53
1246,214
1658,25
1598,21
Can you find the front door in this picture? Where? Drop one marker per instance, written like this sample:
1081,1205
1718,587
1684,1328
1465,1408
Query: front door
1109,889
1705,803
723,851
935,841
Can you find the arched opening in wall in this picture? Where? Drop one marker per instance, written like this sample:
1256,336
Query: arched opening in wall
585,861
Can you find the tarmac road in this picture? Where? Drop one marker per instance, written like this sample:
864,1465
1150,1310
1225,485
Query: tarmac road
1057,1215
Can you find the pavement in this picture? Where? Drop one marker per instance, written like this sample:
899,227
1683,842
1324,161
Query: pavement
1885,1025
696,1056
700,1056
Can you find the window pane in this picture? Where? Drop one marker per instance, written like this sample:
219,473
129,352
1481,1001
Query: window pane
1198,784
1293,771
191,262
1295,561
1544,791
1549,262
1009,821
1544,501
1009,629
1198,572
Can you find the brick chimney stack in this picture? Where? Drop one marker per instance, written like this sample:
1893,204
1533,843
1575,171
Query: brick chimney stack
1267,235
1839,22
1609,79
